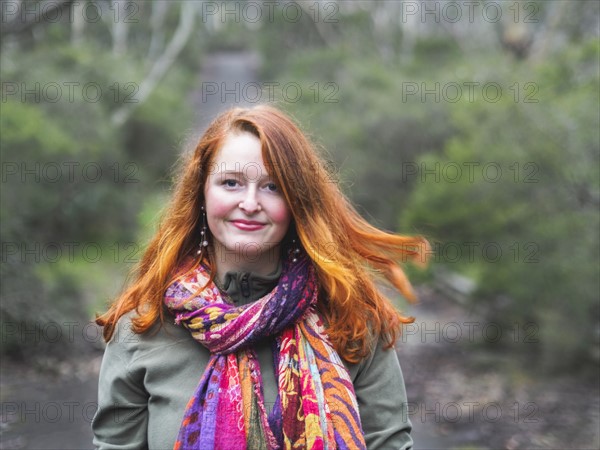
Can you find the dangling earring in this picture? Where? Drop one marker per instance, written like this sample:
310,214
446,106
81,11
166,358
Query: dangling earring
203,234
295,250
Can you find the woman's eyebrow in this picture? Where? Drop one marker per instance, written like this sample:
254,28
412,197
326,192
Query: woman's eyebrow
253,174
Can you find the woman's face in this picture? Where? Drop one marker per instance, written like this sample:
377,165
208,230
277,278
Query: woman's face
245,210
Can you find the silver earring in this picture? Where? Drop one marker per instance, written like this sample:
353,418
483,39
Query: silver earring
295,250
203,234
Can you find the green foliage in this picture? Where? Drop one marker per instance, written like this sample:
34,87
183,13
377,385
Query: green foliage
396,151
73,183
399,154
373,132
541,211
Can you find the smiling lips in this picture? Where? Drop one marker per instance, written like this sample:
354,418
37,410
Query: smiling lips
247,225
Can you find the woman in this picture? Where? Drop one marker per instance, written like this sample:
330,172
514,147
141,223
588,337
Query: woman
253,320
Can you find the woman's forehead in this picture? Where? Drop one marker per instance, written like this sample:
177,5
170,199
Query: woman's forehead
240,153
240,147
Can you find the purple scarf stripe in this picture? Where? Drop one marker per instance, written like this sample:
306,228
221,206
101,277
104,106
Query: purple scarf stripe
349,407
358,444
341,445
348,385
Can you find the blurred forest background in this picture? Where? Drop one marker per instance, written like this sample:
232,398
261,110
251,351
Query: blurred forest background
473,123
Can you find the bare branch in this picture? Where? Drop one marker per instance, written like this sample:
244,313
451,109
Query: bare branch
157,41
78,24
120,29
162,64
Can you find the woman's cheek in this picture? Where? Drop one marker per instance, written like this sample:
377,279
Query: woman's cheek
280,212
218,202
218,208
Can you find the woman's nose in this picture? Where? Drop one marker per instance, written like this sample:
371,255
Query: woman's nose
250,202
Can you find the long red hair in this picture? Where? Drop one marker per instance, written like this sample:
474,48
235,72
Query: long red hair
348,253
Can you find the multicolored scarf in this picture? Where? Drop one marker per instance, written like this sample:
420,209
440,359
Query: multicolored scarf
316,405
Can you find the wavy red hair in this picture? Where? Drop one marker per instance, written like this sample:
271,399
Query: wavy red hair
348,253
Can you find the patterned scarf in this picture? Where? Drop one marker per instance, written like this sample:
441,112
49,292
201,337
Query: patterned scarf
316,405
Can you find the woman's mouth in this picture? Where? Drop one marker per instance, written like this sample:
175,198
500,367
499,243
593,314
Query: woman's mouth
248,225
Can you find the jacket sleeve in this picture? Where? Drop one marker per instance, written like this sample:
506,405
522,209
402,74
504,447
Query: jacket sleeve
381,396
121,421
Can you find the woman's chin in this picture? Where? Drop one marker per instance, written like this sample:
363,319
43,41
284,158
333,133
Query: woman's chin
251,249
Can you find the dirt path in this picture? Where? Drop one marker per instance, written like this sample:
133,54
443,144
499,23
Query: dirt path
459,396
51,408
466,396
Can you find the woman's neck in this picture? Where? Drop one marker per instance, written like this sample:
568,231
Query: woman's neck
264,264
246,287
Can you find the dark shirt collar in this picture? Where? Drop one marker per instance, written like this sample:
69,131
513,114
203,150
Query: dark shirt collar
247,287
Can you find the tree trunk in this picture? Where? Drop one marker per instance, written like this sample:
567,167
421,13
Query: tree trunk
162,64
120,28
78,22
157,41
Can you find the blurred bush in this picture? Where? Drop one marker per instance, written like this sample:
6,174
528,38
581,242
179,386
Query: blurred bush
378,91
480,170
541,212
74,182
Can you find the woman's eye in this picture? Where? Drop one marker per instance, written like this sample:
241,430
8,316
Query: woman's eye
230,183
272,187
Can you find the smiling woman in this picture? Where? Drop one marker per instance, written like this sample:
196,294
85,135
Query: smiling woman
254,320
247,214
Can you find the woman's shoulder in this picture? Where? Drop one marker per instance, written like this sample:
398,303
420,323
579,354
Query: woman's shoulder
380,357
130,345
144,359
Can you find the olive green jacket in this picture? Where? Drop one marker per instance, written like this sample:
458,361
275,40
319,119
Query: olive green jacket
146,381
